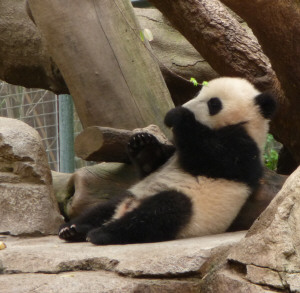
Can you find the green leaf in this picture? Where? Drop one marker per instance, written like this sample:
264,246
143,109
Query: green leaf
142,36
148,34
194,81
204,83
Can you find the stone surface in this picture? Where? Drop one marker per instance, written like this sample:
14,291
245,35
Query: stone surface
27,201
230,282
94,282
267,259
52,255
273,240
49,264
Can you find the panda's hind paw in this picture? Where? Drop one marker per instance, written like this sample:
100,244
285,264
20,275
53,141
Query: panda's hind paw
67,232
99,237
73,232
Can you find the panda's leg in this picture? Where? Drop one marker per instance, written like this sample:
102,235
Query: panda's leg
157,218
147,153
77,229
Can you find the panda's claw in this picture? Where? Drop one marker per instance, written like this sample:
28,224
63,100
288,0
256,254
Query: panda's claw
67,232
139,141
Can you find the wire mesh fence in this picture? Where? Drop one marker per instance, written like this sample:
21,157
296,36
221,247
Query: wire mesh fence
39,109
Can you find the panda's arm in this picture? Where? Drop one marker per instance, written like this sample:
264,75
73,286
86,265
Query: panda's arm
147,153
195,143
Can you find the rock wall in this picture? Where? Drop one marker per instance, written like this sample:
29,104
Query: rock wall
268,258
49,264
27,201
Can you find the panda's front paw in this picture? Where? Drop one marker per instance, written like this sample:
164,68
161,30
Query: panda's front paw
139,141
99,237
178,116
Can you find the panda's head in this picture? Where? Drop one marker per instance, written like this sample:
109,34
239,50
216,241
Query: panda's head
229,101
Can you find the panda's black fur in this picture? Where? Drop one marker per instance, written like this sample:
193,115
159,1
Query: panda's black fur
198,186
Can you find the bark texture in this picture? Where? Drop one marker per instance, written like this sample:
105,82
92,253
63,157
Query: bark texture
23,58
219,38
109,71
105,144
276,25
177,58
102,144
25,61
232,51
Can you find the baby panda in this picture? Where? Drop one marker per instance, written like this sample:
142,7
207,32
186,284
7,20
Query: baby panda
203,181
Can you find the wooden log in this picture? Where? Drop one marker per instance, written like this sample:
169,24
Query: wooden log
106,144
91,185
109,70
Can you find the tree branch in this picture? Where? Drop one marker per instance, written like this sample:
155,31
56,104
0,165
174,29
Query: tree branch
219,38
276,25
229,49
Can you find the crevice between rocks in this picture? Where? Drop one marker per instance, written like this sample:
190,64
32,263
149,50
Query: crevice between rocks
90,264
241,269
173,276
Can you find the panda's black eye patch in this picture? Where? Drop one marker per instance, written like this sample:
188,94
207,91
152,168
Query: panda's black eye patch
214,106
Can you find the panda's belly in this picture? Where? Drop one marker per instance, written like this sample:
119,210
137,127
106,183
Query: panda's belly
215,202
168,177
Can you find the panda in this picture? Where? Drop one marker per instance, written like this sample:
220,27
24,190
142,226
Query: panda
196,187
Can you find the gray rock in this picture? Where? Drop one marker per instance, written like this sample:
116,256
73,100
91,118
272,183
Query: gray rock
268,258
52,255
27,201
96,282
273,240
49,264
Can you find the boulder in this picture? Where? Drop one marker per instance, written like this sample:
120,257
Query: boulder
48,264
27,202
268,258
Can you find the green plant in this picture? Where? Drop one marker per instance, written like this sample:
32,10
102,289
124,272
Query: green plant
271,153
195,82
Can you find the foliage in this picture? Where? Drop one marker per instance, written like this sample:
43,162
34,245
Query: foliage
271,153
146,34
195,82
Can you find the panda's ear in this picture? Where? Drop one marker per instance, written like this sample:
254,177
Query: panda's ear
267,104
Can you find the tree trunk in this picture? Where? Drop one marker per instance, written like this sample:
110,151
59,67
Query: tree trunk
23,58
108,69
219,38
276,24
25,61
103,144
231,51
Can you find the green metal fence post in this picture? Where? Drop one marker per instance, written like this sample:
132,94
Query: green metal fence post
66,134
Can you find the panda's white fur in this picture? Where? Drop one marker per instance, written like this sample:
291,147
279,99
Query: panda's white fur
215,202
237,95
213,198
